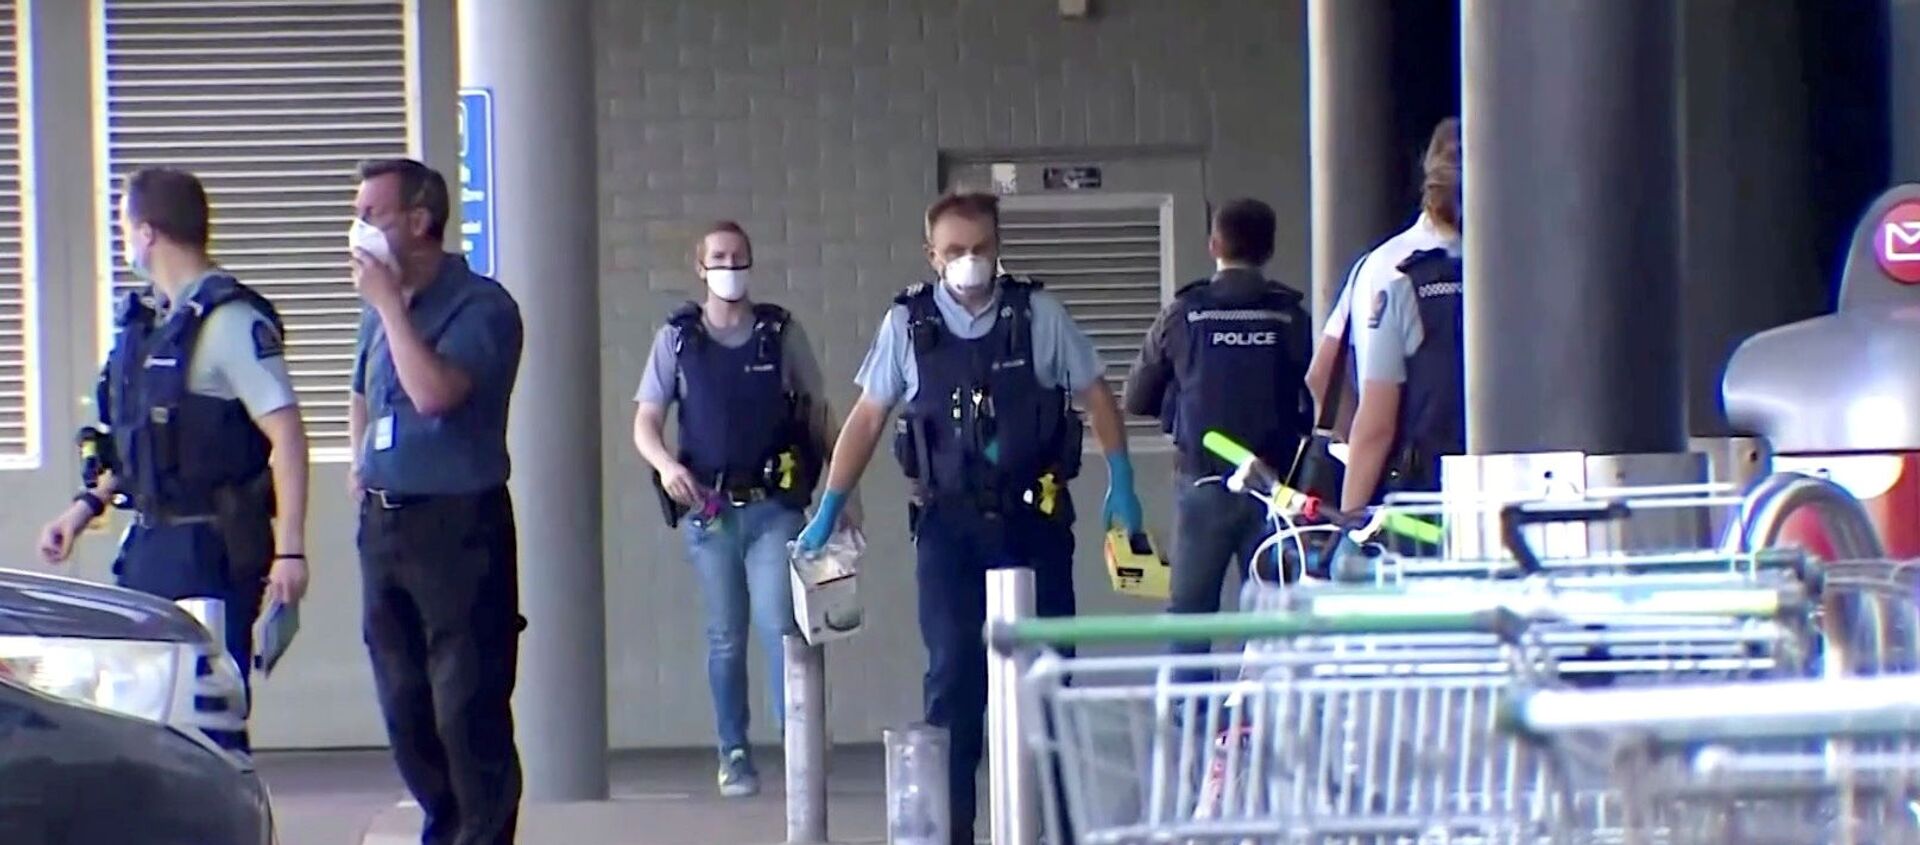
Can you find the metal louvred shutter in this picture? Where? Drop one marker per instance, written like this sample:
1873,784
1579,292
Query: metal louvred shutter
1107,265
19,373
272,104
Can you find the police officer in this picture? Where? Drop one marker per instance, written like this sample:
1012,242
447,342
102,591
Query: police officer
203,438
752,437
1228,354
439,350
1345,336
1412,408
987,366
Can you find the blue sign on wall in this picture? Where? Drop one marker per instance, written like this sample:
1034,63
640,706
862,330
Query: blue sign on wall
477,218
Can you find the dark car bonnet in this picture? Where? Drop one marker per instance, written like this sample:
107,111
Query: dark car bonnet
33,604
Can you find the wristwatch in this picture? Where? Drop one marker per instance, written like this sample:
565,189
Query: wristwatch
95,507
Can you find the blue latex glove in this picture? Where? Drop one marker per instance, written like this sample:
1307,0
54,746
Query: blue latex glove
815,535
1122,506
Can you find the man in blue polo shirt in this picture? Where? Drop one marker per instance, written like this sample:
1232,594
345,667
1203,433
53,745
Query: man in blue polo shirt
439,349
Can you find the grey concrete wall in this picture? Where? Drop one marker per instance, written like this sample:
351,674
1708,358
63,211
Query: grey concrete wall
818,125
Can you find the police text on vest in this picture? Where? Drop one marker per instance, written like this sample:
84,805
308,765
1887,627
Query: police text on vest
1245,338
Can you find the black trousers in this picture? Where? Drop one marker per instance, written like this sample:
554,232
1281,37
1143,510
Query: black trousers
442,623
955,548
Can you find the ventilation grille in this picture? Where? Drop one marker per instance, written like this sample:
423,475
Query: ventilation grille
272,105
1107,265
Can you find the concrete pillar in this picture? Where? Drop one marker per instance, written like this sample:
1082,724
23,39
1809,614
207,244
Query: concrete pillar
1350,150
537,57
1573,303
1903,28
434,76
68,276
1746,152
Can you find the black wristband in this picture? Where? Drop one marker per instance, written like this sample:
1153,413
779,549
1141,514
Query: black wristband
93,503
301,558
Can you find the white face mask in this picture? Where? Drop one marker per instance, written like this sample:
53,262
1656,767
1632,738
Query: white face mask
368,238
968,273
729,285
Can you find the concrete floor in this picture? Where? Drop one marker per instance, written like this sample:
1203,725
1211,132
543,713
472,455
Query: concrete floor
329,798
658,798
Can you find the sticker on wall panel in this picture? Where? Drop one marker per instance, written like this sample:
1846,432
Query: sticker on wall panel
1083,178
1006,177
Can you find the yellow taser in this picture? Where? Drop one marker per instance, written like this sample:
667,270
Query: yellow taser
1136,567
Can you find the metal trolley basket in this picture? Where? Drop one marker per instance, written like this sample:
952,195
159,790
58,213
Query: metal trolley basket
1753,763
1373,723
1369,713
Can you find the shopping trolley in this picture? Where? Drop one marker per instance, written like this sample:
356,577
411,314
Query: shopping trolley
1753,763
1368,723
1610,532
1651,535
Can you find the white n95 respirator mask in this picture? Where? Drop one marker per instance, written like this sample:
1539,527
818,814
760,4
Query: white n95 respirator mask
368,238
727,283
968,273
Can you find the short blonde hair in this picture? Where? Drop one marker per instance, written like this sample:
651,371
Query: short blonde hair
718,227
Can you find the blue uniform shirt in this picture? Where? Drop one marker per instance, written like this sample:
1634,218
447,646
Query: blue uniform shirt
473,324
1063,356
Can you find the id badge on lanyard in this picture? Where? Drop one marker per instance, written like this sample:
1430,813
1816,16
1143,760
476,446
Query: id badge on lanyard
383,426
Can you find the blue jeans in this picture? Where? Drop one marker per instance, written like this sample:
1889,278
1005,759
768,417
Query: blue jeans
741,558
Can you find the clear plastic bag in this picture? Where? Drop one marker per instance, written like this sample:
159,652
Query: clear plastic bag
839,558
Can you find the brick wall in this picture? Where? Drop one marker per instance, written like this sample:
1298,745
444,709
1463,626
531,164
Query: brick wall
818,125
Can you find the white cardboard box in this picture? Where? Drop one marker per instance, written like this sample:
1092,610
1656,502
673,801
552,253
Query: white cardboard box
826,603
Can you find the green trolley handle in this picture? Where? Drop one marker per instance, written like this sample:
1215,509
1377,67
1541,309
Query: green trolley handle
1242,458
1206,627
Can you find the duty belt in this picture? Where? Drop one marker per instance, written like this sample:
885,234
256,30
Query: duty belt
740,489
391,501
1043,495
146,520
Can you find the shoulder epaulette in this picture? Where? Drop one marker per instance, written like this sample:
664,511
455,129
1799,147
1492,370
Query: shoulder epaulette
912,292
770,315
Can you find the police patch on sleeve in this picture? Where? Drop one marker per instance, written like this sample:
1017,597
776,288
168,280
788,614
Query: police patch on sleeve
266,341
1379,311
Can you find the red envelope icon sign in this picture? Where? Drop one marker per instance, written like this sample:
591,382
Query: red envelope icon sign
1897,245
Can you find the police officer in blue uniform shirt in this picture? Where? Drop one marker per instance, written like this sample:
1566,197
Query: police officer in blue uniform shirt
1229,354
753,430
1412,409
987,366
1345,335
439,350
203,438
